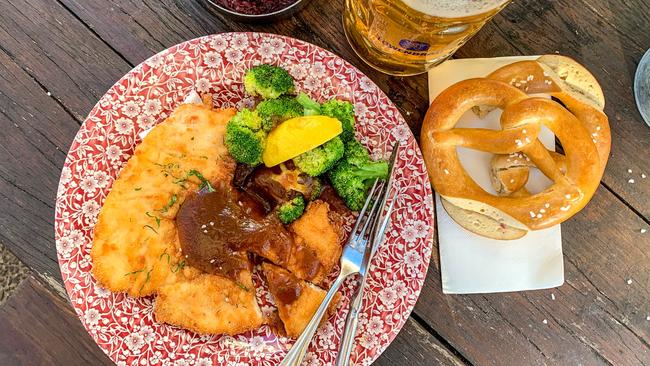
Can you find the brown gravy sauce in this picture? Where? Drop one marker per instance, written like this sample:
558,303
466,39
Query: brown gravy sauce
217,230
287,288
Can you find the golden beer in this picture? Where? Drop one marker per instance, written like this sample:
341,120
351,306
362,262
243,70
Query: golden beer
408,37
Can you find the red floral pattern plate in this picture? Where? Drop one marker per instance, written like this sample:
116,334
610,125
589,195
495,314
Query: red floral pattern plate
125,327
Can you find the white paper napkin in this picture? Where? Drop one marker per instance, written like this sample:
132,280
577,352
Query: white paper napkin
471,263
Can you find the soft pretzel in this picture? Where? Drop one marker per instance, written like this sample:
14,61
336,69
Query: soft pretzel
579,124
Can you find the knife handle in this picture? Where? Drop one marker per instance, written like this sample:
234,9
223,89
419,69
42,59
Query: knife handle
350,328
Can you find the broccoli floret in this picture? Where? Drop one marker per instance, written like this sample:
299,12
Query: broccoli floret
316,188
268,81
344,112
245,138
320,159
354,174
310,106
274,111
291,210
355,153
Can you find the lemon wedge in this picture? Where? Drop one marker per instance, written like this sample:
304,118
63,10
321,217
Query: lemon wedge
298,135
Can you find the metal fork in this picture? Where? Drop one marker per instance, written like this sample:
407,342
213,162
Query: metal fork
354,252
352,319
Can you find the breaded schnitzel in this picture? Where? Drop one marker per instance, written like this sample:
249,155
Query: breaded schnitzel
296,300
136,248
210,304
137,243
317,246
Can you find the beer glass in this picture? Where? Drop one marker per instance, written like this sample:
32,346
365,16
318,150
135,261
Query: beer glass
408,37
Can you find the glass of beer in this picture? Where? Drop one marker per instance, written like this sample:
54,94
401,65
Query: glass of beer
408,37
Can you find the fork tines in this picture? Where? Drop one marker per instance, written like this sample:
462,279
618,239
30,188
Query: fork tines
369,213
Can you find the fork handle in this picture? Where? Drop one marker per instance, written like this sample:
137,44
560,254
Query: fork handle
350,328
297,352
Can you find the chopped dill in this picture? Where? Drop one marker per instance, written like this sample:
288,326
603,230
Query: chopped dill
181,182
204,182
179,265
169,204
168,169
195,173
150,227
203,157
154,217
138,188
165,254
146,279
134,272
242,286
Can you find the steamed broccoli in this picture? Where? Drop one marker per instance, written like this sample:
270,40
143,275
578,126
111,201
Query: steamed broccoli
320,159
273,111
245,138
344,112
291,210
268,81
355,173
310,106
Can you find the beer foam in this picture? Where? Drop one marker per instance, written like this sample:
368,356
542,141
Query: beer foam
453,8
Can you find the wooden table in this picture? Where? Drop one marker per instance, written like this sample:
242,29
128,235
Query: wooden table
58,57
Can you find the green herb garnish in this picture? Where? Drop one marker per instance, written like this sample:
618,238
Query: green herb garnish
242,286
204,182
146,279
169,204
154,217
150,227
165,254
134,272
138,188
179,265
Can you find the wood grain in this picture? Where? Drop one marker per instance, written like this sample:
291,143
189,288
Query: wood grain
76,49
595,318
35,134
53,47
415,346
40,328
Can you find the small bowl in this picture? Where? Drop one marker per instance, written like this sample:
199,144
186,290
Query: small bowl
256,18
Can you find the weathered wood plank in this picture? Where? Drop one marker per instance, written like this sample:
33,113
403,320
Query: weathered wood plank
35,133
606,38
66,58
595,318
595,315
40,328
414,346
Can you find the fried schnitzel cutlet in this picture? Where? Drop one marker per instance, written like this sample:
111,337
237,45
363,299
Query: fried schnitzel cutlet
166,229
210,304
136,248
317,246
296,299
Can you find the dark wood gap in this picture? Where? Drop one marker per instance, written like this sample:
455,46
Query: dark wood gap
440,338
95,33
40,85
